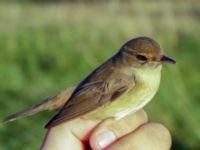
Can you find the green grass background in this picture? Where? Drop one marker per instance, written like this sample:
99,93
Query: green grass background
45,48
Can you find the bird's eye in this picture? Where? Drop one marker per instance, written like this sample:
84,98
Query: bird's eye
141,57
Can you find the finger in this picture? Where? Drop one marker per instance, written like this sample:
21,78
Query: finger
69,135
151,136
110,130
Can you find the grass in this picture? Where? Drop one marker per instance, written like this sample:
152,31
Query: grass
45,48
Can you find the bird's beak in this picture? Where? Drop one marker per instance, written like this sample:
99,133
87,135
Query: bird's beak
166,59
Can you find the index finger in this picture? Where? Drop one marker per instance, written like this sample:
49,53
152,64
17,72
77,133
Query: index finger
69,135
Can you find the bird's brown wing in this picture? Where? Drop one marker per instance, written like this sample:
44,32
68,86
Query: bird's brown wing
93,93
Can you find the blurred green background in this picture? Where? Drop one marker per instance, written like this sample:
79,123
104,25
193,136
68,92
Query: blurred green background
48,46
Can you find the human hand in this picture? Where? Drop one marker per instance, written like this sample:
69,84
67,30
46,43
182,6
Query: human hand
131,132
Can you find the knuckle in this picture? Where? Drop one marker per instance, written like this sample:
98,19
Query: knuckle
143,115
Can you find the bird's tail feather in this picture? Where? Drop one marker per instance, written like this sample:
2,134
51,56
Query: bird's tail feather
51,103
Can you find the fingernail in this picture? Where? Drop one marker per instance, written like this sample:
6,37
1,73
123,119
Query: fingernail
105,138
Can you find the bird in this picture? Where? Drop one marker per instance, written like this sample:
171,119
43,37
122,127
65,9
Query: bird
123,84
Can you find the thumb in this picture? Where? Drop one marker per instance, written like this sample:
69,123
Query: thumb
111,130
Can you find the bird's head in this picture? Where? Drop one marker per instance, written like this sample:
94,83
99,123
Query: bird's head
144,51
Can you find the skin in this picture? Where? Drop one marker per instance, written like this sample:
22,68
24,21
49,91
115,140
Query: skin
132,132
